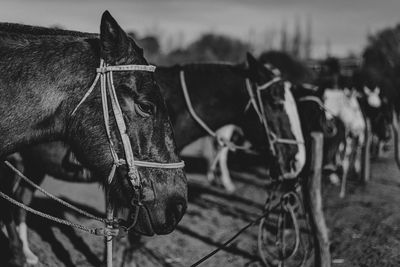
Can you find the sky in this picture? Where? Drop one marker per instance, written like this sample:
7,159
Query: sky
342,23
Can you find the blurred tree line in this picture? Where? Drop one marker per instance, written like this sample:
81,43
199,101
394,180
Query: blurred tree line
208,47
213,47
217,47
381,61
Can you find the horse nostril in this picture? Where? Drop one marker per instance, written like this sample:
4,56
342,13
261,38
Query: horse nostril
293,165
178,209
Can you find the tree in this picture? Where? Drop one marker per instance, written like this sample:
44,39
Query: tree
218,48
381,61
291,67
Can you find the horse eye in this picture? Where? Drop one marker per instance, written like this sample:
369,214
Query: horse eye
144,110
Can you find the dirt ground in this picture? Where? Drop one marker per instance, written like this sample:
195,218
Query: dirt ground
364,226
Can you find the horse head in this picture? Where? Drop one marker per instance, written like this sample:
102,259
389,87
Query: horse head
159,200
373,96
378,110
273,117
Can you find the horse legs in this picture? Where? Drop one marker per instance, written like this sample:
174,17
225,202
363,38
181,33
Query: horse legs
15,244
17,255
210,155
225,176
25,195
346,165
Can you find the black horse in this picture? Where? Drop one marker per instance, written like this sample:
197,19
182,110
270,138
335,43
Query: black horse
43,77
219,96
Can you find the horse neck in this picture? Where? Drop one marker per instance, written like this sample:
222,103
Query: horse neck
334,101
42,78
218,95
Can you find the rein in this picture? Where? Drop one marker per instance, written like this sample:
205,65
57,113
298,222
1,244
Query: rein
94,231
285,208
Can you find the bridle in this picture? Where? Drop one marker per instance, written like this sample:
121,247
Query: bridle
105,75
257,103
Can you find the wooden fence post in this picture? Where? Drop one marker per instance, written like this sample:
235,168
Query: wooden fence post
396,133
313,199
365,153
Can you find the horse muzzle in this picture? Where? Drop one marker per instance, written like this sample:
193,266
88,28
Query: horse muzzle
160,207
159,219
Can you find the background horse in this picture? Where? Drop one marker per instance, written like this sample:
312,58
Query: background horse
43,77
343,106
375,107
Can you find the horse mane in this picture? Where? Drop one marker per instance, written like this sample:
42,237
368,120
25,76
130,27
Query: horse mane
38,30
291,68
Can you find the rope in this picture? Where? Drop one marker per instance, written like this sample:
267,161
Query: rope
94,231
264,215
286,208
252,100
226,243
275,139
296,227
51,196
190,107
46,216
117,111
148,68
149,164
87,94
221,141
268,84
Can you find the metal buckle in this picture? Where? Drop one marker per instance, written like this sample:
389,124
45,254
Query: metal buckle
137,201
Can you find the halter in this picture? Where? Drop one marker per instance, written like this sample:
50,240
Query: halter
105,74
257,103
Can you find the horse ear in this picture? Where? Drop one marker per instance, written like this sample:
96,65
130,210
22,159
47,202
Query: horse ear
114,42
255,67
367,91
252,62
320,91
